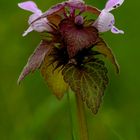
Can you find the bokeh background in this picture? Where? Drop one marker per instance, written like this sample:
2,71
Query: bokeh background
31,112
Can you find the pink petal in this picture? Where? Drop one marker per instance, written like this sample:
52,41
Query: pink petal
30,29
116,31
39,25
104,22
34,17
113,4
76,1
29,6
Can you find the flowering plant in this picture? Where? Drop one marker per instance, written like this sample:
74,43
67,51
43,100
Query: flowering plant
68,55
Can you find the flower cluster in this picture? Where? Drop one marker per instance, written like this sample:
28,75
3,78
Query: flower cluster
68,53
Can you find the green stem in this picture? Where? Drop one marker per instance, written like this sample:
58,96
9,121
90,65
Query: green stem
82,124
71,116
77,117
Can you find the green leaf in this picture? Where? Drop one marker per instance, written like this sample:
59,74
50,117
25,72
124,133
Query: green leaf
88,80
103,48
53,78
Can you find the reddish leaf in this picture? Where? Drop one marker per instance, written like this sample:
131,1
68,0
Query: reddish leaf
76,37
35,60
93,10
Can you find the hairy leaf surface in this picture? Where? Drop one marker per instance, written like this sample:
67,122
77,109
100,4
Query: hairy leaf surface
103,48
53,78
89,80
35,60
77,37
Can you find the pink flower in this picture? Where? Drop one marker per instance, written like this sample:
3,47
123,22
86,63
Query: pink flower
106,20
40,25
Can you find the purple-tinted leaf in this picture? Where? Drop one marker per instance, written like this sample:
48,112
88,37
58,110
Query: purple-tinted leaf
76,4
77,37
35,60
55,9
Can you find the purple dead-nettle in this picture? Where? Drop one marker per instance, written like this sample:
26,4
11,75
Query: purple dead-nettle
69,53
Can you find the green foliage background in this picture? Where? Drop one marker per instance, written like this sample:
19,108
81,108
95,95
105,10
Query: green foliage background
31,112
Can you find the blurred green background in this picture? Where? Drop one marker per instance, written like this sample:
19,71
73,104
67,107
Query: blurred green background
31,112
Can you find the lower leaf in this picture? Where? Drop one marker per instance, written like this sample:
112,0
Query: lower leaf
89,80
53,78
